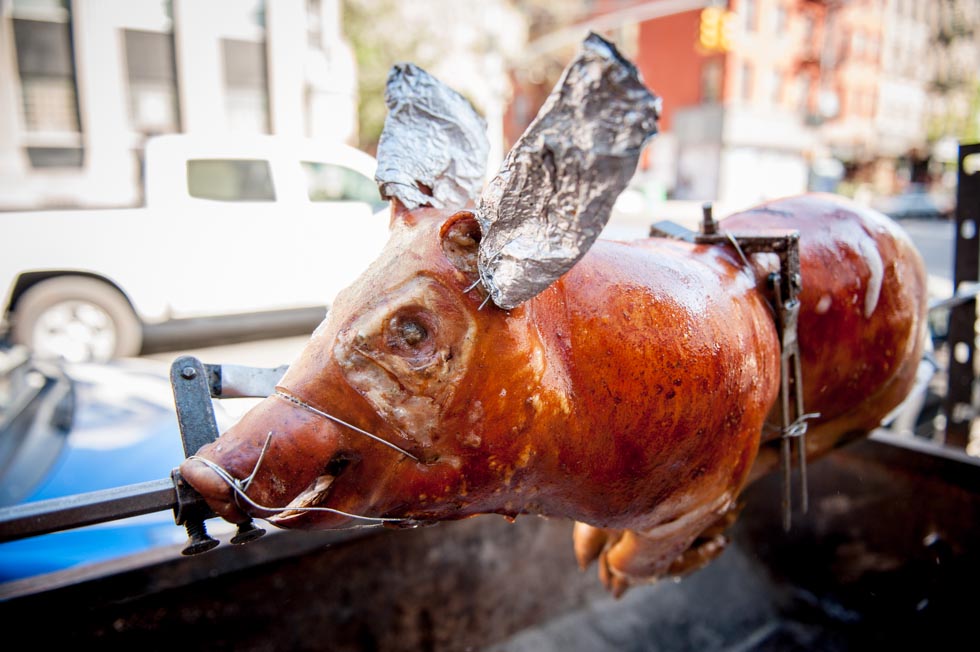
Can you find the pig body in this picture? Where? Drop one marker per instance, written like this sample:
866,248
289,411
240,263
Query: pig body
630,395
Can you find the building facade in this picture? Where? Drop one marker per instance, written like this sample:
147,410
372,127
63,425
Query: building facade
84,83
783,96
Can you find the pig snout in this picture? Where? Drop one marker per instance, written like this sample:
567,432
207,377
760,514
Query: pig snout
213,488
259,466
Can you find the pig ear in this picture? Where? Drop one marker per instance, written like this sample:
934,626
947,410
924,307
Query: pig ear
556,188
461,237
433,148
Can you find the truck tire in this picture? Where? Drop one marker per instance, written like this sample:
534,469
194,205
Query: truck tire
78,319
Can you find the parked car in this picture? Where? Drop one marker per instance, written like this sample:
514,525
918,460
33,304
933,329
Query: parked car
73,428
916,204
229,226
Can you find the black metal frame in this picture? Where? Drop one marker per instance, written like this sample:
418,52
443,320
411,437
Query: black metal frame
959,407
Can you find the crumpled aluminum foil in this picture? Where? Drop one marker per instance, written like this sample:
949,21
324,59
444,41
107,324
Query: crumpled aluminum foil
432,137
556,188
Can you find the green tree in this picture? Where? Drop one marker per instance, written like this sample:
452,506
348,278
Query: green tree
379,41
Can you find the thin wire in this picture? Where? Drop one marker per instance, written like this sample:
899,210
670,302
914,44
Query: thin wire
738,248
235,485
247,482
794,429
306,406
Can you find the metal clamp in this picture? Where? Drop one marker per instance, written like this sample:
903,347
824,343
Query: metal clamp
195,385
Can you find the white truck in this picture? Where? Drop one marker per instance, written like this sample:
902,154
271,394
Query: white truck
229,226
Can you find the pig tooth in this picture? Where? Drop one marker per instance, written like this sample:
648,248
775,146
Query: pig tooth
311,497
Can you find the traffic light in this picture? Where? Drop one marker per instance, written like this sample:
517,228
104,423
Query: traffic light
727,31
715,29
709,32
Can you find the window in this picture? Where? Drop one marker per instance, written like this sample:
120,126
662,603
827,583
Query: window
775,87
246,94
804,95
747,82
151,70
314,24
808,27
230,180
326,182
748,15
47,83
711,73
779,20
858,44
55,157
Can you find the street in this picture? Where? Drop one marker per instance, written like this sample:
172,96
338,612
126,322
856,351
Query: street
934,239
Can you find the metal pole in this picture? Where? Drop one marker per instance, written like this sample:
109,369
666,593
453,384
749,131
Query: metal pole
959,406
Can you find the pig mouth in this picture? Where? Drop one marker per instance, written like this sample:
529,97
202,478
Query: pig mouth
295,514
225,482
315,496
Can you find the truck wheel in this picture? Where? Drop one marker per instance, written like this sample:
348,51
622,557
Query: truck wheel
76,318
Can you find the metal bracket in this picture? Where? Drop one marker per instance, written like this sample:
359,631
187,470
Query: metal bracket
784,288
195,385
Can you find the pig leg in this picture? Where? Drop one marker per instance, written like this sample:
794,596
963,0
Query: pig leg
675,549
590,541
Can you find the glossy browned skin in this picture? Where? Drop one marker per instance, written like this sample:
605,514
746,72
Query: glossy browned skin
860,346
629,396
862,328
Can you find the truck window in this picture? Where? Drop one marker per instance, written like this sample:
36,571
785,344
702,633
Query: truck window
230,180
327,182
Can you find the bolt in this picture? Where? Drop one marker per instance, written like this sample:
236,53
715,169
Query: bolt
188,373
247,532
199,540
708,224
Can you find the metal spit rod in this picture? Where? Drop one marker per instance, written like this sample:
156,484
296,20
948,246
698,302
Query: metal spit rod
79,510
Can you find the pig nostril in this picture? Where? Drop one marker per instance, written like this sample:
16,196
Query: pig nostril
337,465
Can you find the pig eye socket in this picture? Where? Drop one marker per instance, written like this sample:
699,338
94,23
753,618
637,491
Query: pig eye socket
409,333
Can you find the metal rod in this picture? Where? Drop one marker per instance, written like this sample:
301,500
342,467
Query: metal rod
787,501
46,516
801,439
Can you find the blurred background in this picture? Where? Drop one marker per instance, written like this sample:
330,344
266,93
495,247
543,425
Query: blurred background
762,98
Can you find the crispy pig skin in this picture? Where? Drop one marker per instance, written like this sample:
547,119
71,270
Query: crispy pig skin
862,324
629,396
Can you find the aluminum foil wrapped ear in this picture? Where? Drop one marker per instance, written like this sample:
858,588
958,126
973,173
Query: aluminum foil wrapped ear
556,188
433,148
